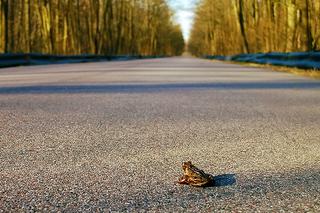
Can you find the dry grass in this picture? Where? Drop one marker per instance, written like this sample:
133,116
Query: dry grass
312,73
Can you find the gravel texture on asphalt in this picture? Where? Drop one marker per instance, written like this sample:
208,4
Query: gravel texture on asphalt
112,137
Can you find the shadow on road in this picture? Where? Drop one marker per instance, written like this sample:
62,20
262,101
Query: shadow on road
224,180
140,88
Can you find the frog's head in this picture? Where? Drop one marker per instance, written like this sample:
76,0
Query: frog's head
186,165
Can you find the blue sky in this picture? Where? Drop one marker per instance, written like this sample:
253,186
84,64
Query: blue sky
184,14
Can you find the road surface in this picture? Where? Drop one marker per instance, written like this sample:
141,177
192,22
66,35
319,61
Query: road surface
111,136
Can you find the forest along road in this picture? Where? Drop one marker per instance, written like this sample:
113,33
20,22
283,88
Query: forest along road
113,135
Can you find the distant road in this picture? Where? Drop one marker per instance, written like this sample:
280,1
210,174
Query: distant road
113,135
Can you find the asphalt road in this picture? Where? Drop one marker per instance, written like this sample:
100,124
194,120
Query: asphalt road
112,136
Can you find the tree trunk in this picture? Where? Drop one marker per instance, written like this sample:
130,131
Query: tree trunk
242,26
310,46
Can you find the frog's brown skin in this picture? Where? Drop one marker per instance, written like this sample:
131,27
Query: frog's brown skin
194,176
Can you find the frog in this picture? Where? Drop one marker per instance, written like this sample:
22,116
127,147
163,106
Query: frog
194,176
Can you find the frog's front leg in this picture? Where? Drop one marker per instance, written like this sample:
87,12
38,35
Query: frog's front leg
184,179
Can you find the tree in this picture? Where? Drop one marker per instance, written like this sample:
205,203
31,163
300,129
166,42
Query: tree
237,26
140,27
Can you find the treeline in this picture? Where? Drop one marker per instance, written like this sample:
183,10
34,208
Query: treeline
108,27
248,26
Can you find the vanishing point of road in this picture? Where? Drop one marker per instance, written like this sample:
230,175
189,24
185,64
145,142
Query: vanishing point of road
111,136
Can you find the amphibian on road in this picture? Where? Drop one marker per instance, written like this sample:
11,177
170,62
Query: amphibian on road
194,176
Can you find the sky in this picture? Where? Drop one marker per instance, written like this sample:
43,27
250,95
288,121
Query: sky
184,14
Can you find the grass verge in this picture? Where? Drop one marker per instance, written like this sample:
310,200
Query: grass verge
311,73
